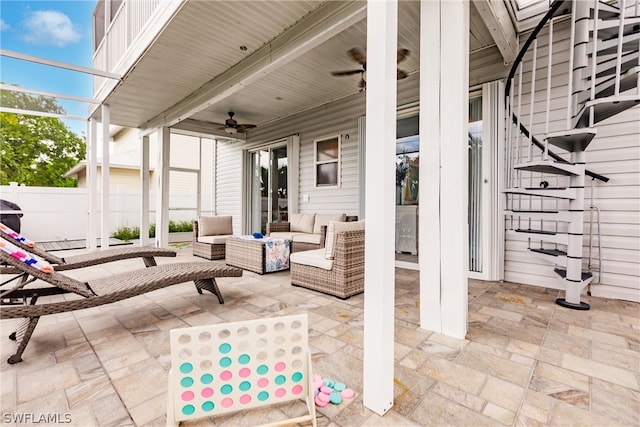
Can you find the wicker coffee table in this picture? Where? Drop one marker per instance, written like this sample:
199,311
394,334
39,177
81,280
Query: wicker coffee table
265,255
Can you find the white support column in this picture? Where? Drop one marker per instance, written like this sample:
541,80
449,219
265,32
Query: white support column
162,188
379,297
92,183
443,227
105,229
144,190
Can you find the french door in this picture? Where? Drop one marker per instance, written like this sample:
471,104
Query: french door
269,186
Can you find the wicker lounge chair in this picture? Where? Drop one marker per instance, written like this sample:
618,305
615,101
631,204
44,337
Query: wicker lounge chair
147,253
101,291
342,276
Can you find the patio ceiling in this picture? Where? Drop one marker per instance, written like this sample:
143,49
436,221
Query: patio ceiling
196,69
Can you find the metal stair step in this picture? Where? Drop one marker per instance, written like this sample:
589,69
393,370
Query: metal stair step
606,87
606,47
560,193
546,215
550,167
542,235
605,108
570,140
586,275
550,252
605,10
608,28
607,64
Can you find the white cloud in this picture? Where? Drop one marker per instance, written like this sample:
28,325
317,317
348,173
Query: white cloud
3,25
50,28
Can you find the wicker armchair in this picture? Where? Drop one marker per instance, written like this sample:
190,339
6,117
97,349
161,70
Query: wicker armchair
343,276
210,235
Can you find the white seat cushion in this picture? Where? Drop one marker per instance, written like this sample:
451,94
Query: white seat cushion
283,235
214,240
307,238
314,258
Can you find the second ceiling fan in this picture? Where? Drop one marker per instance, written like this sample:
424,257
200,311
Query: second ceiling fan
231,126
360,57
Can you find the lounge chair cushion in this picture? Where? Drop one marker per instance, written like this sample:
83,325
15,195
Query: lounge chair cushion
323,219
308,238
334,227
313,258
214,240
215,225
302,223
31,260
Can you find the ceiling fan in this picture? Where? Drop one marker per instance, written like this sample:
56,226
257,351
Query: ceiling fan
231,126
360,57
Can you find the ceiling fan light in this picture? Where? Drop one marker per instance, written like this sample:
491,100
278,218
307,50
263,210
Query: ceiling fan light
364,75
230,130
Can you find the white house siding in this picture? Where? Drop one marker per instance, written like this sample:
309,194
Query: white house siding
228,193
614,153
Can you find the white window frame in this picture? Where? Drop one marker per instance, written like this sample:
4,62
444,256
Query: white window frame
316,162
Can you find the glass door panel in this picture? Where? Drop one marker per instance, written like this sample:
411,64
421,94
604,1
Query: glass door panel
268,187
407,184
475,184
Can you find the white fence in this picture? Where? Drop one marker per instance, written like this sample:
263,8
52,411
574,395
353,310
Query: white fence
52,213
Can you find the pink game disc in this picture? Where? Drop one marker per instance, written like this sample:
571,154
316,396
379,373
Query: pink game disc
326,390
347,393
324,397
320,402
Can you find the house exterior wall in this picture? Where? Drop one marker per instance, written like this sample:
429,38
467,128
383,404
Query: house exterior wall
614,153
227,195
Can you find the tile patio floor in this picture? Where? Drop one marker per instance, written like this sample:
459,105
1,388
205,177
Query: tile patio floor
525,362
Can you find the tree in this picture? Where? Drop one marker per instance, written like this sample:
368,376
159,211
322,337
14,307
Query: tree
34,150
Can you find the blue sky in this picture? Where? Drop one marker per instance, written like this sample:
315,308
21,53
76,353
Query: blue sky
56,30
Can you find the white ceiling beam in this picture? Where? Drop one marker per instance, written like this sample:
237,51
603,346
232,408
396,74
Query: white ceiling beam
328,20
496,17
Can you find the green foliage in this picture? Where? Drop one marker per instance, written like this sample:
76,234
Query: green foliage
36,151
131,233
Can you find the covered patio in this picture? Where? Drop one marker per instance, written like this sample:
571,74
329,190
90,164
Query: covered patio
526,360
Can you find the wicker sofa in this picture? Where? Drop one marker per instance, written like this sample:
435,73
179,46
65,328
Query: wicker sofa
305,231
210,235
337,269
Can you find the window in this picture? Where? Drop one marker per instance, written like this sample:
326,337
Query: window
327,161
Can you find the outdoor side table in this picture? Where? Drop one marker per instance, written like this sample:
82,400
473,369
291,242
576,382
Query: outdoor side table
264,255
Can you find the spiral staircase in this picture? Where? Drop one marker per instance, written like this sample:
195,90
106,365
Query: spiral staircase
591,48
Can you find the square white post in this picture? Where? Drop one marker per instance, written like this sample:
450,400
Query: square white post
144,190
162,188
444,104
379,296
105,230
92,182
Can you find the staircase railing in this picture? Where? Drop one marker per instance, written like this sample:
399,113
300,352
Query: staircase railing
556,10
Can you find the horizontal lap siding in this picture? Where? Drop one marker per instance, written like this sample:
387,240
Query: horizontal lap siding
615,153
228,194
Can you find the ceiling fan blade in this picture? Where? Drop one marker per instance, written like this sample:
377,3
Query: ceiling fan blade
402,74
346,73
242,128
362,84
357,55
402,54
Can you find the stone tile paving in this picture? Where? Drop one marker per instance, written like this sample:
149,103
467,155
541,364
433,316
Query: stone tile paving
525,362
